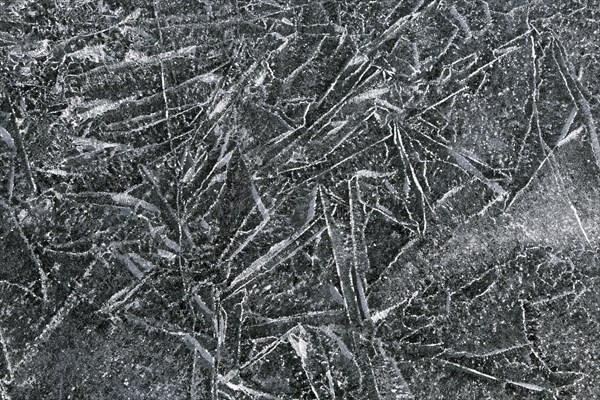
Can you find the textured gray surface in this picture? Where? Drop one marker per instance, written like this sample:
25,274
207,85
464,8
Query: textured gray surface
299,200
